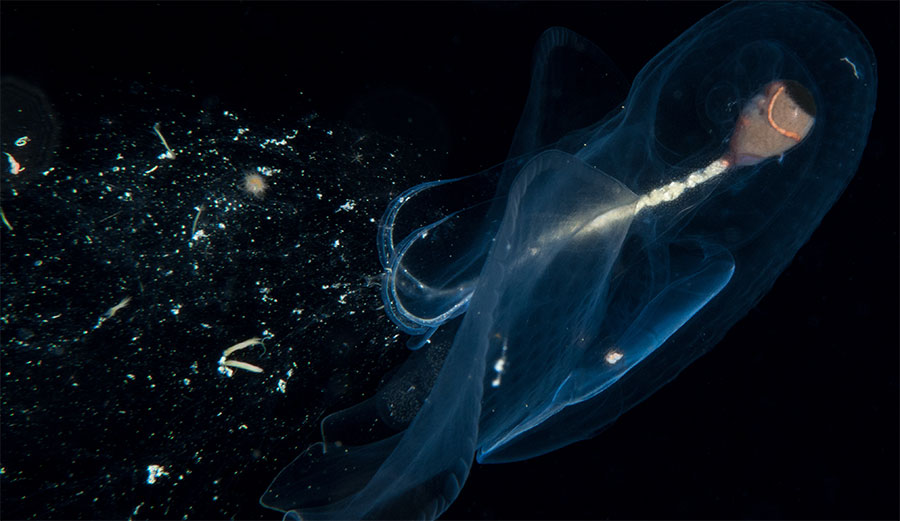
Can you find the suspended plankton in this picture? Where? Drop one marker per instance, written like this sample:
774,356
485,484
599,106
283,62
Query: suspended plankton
169,153
255,185
225,363
243,365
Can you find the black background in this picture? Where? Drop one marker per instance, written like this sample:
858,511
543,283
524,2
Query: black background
808,432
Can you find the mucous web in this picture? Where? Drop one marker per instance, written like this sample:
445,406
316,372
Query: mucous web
132,265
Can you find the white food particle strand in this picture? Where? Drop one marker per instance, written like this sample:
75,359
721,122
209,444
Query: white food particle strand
241,345
243,365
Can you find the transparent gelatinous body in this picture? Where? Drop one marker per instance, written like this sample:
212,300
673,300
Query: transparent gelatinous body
557,290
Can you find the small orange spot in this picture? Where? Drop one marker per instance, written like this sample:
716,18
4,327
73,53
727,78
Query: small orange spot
255,185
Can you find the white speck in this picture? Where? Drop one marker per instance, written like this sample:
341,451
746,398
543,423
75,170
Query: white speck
337,243
155,472
847,60
14,166
613,356
500,366
349,205
224,369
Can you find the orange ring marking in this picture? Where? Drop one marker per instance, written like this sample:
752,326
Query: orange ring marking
783,131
